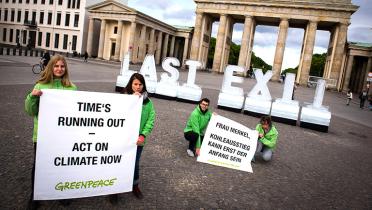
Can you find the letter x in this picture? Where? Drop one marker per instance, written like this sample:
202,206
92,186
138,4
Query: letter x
261,85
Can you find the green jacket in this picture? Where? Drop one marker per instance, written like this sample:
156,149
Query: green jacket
269,138
197,123
32,102
147,119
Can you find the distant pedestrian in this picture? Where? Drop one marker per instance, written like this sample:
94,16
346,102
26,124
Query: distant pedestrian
267,138
363,98
195,127
86,56
349,95
46,58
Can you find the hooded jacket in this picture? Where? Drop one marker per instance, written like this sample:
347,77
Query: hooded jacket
147,118
269,139
32,102
197,123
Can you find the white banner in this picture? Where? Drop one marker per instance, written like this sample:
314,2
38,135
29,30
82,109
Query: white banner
229,144
86,144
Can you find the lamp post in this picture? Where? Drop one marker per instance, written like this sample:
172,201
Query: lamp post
69,48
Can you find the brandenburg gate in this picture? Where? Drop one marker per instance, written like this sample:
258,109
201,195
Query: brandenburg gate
310,15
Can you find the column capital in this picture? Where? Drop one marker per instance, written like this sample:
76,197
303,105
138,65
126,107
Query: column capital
284,19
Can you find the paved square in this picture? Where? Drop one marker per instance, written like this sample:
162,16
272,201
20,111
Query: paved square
310,169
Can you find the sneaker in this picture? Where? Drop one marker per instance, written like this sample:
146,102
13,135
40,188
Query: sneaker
113,199
137,192
190,153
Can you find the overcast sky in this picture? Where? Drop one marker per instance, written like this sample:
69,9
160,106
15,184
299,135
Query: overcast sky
182,12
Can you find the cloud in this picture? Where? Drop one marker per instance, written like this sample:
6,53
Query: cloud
159,4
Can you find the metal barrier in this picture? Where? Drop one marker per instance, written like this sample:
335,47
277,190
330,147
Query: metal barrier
313,80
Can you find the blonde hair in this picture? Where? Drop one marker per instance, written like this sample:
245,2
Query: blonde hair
47,74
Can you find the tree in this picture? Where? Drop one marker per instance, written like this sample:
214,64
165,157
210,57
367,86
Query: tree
317,64
256,62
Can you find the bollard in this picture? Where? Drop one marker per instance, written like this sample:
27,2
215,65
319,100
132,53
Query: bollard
7,51
41,53
31,53
14,51
25,52
20,52
1,51
36,52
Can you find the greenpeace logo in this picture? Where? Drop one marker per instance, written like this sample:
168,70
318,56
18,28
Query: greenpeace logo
61,186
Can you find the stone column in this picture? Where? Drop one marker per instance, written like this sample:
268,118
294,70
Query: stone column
176,49
338,52
132,34
349,68
165,46
158,48
195,44
298,75
308,52
118,41
142,44
249,53
359,81
246,39
185,49
90,36
101,45
171,50
152,41
219,44
280,47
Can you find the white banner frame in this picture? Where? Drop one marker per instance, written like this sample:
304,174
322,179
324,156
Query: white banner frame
74,161
228,144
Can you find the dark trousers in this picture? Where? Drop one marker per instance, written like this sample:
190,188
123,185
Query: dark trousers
362,101
33,175
192,137
136,167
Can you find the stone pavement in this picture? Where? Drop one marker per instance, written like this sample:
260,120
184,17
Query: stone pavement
310,169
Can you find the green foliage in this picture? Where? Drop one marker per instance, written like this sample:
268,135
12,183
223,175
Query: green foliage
257,62
316,69
317,64
234,54
290,70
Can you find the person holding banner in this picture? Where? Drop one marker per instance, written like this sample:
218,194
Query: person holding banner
137,86
55,76
195,127
267,138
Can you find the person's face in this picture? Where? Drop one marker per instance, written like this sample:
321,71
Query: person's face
59,69
204,106
137,86
265,125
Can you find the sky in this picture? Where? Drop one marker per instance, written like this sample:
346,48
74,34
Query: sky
182,12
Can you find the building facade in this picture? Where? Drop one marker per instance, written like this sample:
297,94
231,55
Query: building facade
310,15
115,29
57,25
357,65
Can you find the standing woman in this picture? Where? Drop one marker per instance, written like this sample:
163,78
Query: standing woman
55,76
137,86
